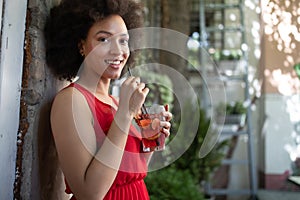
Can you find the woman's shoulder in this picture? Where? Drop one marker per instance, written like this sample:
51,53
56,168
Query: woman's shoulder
67,93
68,96
68,102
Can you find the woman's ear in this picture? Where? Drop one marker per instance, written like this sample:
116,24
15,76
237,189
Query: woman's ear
81,48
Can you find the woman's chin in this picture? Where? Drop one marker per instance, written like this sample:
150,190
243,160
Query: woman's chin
115,76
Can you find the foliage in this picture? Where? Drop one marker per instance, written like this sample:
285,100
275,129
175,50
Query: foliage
183,179
202,168
172,184
159,84
161,88
232,108
225,54
297,69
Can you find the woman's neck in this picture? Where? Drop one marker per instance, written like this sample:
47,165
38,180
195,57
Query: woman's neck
98,88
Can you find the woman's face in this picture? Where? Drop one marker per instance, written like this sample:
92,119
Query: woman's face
106,47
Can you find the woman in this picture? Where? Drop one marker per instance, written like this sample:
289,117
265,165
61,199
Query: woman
98,147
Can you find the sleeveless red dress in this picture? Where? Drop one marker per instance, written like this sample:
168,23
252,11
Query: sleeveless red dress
129,183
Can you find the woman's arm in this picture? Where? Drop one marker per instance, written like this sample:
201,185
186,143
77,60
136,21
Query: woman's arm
90,174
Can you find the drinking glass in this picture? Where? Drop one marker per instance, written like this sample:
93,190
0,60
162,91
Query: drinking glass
149,122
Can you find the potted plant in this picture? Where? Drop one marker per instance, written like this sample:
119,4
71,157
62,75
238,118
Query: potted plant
235,113
229,61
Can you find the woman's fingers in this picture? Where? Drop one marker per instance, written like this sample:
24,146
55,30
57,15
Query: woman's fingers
132,82
133,94
137,93
136,82
166,132
166,126
168,116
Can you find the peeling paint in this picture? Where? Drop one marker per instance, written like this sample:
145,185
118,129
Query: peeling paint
24,124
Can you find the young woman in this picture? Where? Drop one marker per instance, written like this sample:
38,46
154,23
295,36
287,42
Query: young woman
99,149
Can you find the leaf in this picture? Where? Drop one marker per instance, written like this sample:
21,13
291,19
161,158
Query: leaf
297,69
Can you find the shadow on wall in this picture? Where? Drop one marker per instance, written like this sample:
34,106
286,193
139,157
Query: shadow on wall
51,178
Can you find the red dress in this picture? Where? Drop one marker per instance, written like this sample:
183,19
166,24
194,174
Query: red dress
129,183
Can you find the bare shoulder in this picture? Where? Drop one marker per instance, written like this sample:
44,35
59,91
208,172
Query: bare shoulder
67,95
68,105
68,98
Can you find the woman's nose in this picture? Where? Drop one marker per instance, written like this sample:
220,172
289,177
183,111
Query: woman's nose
117,48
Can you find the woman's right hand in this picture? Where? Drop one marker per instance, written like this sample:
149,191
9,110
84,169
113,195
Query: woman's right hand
132,95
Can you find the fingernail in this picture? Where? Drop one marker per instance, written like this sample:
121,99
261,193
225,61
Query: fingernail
167,107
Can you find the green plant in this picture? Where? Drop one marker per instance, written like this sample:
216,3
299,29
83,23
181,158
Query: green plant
297,69
226,54
172,184
232,108
201,168
160,86
183,179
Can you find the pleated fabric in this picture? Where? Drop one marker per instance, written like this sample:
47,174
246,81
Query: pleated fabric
129,183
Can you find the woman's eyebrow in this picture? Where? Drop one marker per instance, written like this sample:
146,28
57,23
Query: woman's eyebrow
124,35
109,33
104,32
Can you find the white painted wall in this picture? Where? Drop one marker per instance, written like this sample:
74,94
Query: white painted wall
278,132
11,64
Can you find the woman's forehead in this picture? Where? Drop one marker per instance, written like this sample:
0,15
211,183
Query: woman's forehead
113,24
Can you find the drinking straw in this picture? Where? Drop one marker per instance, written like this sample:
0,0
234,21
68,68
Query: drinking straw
144,110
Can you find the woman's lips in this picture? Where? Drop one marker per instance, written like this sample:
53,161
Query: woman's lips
114,63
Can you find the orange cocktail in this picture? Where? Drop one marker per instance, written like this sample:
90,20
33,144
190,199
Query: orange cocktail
153,139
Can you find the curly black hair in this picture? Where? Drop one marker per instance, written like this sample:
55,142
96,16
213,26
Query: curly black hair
69,23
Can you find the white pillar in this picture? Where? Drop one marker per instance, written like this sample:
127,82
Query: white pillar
11,65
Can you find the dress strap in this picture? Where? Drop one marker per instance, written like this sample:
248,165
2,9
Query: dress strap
114,100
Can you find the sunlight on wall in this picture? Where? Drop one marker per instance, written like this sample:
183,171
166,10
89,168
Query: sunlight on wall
282,33
281,23
286,84
281,28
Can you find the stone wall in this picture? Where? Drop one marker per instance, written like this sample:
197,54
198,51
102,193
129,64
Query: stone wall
37,163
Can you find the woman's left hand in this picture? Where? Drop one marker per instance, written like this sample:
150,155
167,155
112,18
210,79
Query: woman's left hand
166,125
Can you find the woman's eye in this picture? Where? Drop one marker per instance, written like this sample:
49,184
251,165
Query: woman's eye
124,41
102,39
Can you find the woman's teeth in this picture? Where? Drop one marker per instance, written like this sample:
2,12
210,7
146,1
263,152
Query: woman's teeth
113,62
